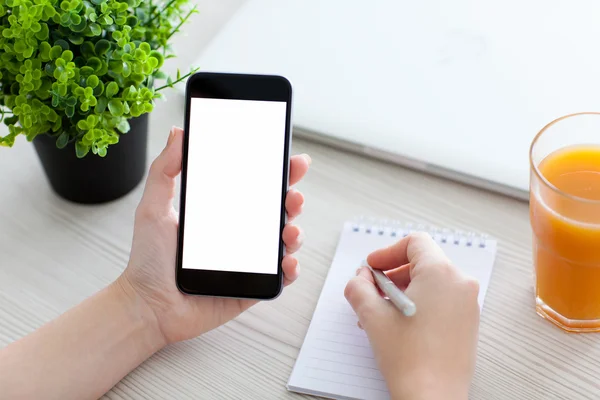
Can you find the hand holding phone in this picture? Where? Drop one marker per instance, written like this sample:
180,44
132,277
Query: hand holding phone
230,116
149,276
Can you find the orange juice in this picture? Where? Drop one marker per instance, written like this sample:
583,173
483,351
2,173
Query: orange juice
565,217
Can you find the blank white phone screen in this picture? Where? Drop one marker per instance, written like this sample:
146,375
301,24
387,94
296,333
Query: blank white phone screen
234,185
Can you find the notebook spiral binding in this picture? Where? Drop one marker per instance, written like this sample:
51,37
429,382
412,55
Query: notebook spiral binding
394,228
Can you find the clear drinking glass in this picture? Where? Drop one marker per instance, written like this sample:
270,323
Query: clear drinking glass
565,218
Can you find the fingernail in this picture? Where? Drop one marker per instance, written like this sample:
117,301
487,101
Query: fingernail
308,158
171,136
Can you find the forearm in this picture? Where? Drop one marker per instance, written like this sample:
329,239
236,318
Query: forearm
84,352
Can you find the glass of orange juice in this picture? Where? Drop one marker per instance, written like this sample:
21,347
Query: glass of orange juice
565,218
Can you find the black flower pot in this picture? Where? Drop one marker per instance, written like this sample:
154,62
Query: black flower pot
94,179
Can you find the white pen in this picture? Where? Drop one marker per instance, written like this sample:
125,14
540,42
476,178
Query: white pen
393,292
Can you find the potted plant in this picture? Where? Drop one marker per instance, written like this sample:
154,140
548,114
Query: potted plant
78,79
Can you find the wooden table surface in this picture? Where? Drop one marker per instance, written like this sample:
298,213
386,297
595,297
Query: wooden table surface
53,254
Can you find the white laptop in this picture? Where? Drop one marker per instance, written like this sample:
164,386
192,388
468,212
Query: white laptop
456,88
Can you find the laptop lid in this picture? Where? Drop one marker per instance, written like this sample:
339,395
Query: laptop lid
456,88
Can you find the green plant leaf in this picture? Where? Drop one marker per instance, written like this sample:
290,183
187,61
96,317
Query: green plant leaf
62,89
95,29
105,20
45,51
75,19
67,55
103,69
80,26
138,78
95,63
115,107
102,151
81,150
65,19
131,21
98,2
141,14
152,64
136,110
102,46
126,69
112,89
101,105
99,90
87,140
159,57
87,49
62,140
43,34
70,111
76,39
63,44
14,119
55,52
160,75
92,81
123,125
145,47
86,71
140,55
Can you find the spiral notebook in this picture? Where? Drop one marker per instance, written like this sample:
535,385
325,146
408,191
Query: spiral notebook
336,360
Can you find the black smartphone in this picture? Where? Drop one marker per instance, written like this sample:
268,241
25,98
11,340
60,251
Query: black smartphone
234,180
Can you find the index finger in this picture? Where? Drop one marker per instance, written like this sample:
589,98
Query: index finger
414,249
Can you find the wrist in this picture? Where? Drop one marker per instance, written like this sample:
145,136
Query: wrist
427,387
140,314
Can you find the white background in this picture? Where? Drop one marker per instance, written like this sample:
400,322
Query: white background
234,182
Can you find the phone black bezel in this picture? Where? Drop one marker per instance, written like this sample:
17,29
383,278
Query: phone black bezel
226,283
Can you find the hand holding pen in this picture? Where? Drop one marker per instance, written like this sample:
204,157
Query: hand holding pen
392,292
440,340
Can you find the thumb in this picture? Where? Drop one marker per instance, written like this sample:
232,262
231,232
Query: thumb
160,184
364,298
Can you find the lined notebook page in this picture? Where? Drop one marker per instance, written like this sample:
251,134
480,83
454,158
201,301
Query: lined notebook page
336,360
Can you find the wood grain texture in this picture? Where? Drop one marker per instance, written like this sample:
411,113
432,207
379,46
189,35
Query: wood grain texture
54,254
